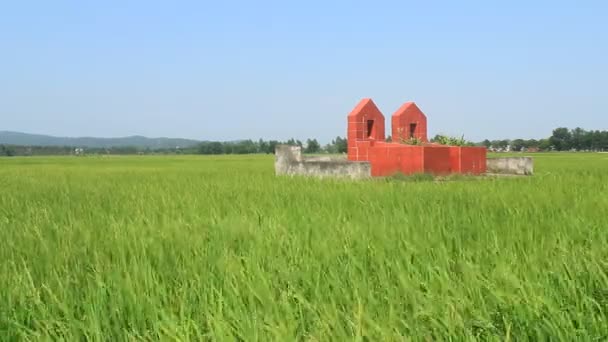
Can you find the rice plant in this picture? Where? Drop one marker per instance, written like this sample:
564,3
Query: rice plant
218,248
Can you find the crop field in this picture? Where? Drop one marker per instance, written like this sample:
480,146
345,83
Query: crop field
218,248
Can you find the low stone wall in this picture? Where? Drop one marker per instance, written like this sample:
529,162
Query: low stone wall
289,161
510,165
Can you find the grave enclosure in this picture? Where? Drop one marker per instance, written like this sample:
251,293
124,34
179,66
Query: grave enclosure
410,152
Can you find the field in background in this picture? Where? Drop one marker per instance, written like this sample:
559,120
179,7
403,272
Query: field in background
179,248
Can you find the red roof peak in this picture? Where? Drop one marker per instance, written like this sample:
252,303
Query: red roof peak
405,107
365,102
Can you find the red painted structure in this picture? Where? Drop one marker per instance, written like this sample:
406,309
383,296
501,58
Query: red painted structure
366,142
409,121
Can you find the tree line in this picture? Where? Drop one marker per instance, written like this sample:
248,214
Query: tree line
337,145
20,150
562,139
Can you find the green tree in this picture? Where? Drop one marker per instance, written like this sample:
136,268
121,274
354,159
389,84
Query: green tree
595,140
211,147
518,144
451,141
272,144
312,146
544,144
341,145
262,146
561,139
578,138
531,143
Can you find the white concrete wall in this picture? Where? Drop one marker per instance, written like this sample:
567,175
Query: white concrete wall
289,161
511,165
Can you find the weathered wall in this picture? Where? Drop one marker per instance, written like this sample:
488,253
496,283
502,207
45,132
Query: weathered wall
387,159
390,158
325,158
472,160
511,165
289,161
437,160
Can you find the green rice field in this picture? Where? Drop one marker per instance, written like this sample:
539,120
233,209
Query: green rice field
191,248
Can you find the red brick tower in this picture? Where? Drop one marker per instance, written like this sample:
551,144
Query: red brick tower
409,122
365,123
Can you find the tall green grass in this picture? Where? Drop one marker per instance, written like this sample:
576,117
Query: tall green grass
218,248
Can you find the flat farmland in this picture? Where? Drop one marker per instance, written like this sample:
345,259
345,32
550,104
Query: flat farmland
218,248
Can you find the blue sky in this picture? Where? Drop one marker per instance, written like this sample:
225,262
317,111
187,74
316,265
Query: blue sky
226,70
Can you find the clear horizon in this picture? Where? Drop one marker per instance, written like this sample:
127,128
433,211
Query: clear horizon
272,70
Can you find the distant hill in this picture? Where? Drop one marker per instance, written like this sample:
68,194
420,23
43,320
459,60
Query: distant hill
25,139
